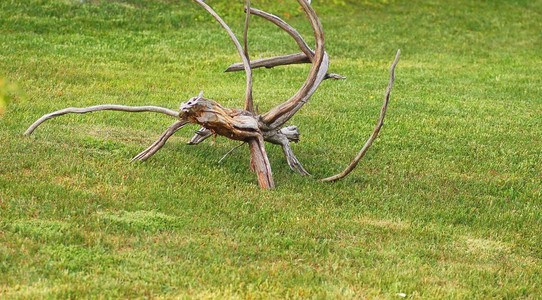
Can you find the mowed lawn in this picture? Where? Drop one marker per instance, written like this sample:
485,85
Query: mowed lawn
447,203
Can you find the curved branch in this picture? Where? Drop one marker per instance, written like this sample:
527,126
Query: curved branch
283,138
249,102
246,63
84,110
286,27
376,130
283,112
158,144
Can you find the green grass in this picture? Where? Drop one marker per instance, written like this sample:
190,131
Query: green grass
447,203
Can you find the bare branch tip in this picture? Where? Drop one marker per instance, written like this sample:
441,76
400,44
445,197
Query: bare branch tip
397,55
334,76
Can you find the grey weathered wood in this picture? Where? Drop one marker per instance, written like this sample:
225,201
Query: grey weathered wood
84,110
283,137
290,59
160,142
200,135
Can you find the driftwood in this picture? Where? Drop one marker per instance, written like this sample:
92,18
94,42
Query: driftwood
246,125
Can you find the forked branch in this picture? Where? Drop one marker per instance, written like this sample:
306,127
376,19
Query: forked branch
306,56
377,128
248,91
200,135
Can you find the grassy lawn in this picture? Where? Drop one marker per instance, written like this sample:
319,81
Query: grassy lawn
447,203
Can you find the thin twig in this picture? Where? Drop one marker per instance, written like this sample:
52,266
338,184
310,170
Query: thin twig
334,76
160,142
230,151
376,130
84,110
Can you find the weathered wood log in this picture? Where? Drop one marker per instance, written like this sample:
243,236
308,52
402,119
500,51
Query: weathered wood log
286,27
235,124
246,124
